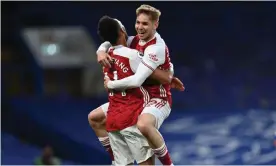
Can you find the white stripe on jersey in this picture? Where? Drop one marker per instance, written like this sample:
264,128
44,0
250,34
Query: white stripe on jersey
162,91
146,96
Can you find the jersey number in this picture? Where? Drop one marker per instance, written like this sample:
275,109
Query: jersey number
115,77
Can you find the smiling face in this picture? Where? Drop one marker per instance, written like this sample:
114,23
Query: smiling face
146,21
145,27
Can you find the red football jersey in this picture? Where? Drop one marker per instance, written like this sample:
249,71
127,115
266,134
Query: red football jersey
124,106
155,90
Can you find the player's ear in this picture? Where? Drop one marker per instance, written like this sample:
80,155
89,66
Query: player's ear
122,36
122,33
156,24
125,33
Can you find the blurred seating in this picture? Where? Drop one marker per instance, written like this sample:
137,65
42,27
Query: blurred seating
16,152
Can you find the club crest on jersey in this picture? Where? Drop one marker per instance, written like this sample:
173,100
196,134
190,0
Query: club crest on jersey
153,57
141,54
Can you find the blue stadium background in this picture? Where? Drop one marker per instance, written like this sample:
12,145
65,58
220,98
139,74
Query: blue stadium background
224,52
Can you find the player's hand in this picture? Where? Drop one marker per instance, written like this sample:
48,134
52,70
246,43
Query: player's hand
177,84
106,80
104,59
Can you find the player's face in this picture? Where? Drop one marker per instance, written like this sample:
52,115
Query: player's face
145,27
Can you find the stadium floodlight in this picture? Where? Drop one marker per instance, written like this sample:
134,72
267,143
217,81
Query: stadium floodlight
57,47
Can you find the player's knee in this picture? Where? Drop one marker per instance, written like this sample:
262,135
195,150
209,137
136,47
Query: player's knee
145,123
96,117
91,116
91,121
142,127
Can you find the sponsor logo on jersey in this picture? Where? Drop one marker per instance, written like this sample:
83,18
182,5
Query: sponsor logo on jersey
141,54
153,57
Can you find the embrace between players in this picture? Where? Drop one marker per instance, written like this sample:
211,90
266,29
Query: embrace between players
138,75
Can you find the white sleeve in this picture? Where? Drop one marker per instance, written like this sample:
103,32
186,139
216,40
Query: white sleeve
136,80
134,60
154,56
129,40
104,47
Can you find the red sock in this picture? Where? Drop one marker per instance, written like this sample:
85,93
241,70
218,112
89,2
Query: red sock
163,155
106,144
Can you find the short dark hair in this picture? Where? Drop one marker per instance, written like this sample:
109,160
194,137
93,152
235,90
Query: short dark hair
109,29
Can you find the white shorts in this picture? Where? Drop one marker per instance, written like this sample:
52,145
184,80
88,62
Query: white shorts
104,107
159,108
128,145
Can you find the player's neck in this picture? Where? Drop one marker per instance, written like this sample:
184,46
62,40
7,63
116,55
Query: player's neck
118,45
119,42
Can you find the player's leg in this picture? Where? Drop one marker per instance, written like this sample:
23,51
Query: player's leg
96,120
149,122
138,145
121,151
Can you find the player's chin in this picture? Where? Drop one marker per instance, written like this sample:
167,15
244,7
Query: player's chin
143,36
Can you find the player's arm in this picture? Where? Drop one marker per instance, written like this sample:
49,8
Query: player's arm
166,77
102,57
163,76
159,76
106,45
153,57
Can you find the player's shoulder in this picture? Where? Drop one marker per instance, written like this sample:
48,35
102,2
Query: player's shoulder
156,48
158,44
125,51
159,39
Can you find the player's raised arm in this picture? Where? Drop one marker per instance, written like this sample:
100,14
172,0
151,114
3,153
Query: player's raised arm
106,45
102,57
154,56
